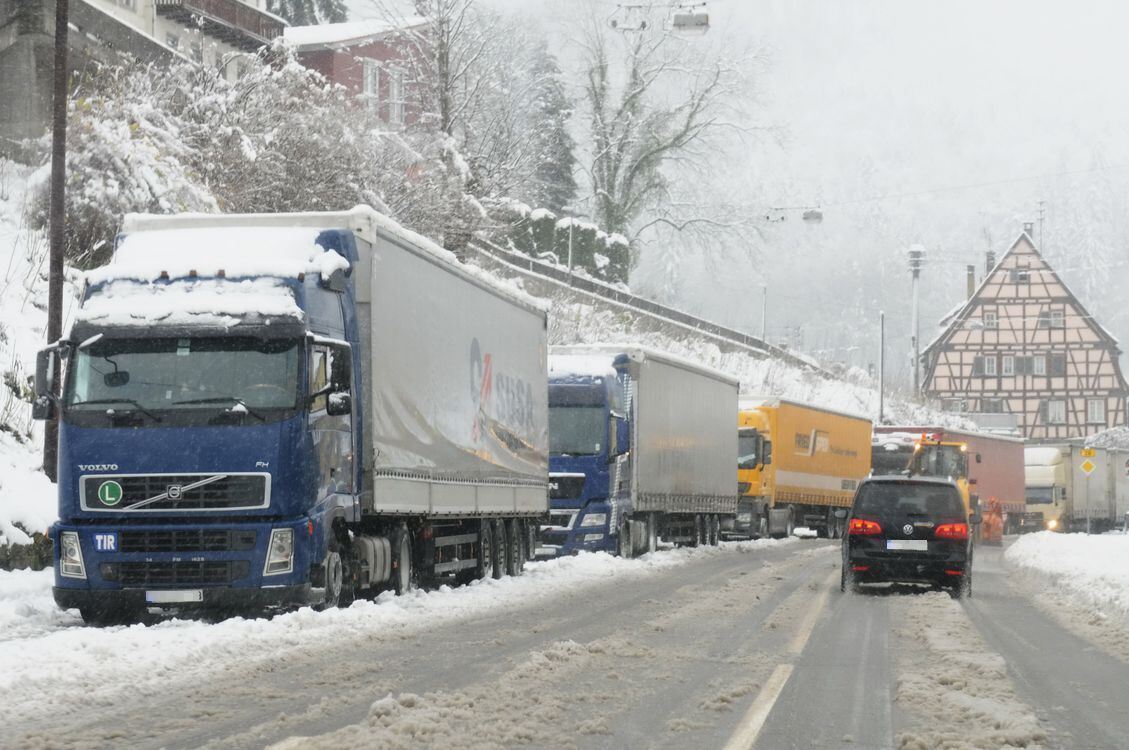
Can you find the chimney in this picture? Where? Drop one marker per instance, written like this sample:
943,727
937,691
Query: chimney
971,281
990,261
1029,228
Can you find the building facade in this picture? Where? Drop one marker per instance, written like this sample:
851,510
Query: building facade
1024,345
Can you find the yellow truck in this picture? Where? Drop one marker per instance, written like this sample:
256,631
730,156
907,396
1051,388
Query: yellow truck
797,465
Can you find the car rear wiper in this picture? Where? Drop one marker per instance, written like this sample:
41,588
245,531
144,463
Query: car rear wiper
224,400
130,401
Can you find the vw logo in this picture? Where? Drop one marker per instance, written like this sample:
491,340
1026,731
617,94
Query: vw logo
907,529
173,491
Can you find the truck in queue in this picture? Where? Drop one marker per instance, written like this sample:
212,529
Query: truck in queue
641,445
1065,497
986,467
798,465
279,410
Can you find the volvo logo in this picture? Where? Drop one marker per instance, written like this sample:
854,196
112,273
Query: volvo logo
97,467
908,529
173,491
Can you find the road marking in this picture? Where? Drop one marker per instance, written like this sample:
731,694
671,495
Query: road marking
751,724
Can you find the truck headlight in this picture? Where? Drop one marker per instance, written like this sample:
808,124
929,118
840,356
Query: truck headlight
1052,524
70,556
280,554
594,519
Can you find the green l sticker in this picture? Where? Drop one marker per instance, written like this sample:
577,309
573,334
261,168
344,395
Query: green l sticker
109,492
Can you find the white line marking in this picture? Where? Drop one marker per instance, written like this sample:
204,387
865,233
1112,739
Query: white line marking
751,724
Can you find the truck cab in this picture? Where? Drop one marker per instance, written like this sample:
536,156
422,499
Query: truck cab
1046,485
588,445
754,454
207,422
945,459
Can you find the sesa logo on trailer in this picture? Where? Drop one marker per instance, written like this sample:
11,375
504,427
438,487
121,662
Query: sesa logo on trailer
506,399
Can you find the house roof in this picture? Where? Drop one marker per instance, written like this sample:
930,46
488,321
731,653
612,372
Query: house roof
348,34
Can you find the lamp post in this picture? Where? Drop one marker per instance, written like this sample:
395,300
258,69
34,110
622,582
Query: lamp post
916,261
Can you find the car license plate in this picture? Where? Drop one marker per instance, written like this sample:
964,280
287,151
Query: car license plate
174,597
911,545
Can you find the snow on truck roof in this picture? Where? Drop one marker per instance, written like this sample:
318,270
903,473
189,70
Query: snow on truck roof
584,365
261,244
1042,455
750,401
214,302
639,353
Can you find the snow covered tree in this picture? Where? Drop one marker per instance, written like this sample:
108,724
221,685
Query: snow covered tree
554,181
309,12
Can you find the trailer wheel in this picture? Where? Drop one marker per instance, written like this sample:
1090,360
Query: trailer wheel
486,559
515,556
715,530
403,569
625,545
501,558
701,534
652,533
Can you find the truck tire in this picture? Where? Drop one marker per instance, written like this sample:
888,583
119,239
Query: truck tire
486,559
701,534
334,580
652,533
625,545
501,547
715,530
403,566
515,555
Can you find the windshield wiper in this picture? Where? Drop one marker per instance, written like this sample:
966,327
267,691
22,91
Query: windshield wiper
130,401
224,400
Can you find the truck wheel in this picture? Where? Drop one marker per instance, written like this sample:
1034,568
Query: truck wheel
531,536
501,559
652,533
486,559
701,535
625,545
334,573
403,571
515,556
791,523
715,530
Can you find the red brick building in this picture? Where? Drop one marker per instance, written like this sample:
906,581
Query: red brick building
372,59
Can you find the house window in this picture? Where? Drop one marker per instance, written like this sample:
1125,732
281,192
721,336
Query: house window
1058,319
1056,411
991,319
1020,276
172,41
953,405
396,97
991,406
1039,364
990,365
1008,365
371,83
1095,410
1058,364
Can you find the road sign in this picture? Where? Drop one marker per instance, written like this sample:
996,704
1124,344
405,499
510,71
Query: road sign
1088,467
1088,453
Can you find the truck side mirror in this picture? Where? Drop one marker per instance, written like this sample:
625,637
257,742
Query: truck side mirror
977,458
46,365
339,404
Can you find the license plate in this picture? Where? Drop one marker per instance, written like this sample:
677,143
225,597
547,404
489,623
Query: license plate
174,597
918,545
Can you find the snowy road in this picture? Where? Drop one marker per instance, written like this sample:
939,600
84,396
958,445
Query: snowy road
750,645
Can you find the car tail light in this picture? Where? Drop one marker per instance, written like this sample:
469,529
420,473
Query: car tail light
954,572
860,568
863,527
951,531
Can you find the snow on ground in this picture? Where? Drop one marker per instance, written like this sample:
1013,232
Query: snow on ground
26,497
102,663
1090,570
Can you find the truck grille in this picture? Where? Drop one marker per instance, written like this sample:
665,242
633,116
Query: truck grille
155,574
165,492
187,540
565,487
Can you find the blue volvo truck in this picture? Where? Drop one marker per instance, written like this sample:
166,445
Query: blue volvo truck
642,448
280,410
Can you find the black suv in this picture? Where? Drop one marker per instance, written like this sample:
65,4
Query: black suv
910,529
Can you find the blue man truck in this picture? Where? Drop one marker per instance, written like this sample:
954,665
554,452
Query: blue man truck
278,410
642,445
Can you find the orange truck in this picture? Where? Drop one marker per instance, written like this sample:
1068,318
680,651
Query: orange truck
986,467
798,465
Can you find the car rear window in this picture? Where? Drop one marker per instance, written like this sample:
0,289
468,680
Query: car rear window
909,497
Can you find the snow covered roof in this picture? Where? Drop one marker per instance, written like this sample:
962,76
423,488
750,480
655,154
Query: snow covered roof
207,302
145,254
640,353
753,401
1116,437
348,33
587,365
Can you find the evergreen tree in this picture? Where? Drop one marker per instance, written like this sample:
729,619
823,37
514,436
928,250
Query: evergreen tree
555,185
309,12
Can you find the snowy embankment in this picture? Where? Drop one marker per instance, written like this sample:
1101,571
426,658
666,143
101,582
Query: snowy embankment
1091,570
45,660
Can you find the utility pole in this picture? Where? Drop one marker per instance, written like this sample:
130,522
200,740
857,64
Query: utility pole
1042,212
881,364
764,313
916,261
57,214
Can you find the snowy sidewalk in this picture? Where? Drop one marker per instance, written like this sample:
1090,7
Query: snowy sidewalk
1091,569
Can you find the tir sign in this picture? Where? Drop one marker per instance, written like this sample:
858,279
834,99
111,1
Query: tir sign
1088,467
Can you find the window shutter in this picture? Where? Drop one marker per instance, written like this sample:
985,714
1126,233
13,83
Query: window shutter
1022,365
1043,412
978,366
1044,319
1058,364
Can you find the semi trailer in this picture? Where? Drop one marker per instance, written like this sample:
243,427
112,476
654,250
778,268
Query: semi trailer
641,450
289,409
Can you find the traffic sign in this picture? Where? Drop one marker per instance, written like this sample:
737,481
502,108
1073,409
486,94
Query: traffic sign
1088,453
1088,467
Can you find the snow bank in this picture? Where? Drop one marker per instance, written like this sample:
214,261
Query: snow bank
1092,570
101,664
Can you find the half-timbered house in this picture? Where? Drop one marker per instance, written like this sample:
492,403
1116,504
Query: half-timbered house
1024,345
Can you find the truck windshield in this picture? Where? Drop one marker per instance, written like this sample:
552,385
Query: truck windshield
941,461
577,430
884,461
185,373
1040,495
748,449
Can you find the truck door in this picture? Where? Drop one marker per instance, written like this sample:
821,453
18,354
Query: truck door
331,418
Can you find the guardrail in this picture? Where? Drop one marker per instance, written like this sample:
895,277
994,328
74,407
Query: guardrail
524,264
